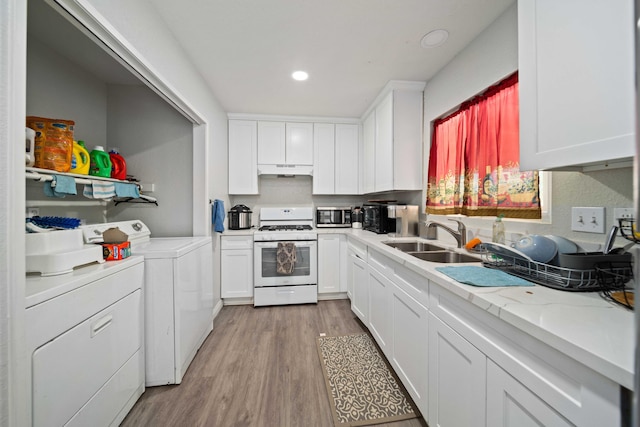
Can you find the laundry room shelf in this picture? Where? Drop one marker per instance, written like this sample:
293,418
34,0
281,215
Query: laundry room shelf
43,175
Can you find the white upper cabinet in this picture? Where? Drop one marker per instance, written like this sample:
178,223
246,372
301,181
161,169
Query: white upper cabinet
392,134
324,156
243,157
271,148
576,73
384,170
282,143
369,153
336,158
299,143
347,156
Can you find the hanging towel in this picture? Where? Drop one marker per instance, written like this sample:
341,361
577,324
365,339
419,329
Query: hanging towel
285,257
60,186
127,190
217,215
482,276
99,190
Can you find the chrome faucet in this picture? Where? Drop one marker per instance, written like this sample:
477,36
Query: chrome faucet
460,235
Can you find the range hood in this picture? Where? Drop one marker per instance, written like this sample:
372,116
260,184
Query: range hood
286,170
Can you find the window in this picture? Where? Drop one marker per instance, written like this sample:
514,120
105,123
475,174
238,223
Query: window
474,159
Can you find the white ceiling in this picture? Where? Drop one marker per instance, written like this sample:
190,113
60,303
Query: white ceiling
247,49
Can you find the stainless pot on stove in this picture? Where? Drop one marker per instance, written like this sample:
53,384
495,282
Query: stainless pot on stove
239,217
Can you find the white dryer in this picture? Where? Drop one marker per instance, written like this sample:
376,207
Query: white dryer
178,295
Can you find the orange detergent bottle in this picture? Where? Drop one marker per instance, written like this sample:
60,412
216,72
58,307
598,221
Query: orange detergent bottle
118,164
53,143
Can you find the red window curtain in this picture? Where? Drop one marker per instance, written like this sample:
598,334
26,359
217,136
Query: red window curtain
474,166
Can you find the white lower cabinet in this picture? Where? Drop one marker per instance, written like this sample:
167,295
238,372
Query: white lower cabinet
236,266
358,279
380,289
463,366
457,378
409,345
510,404
331,264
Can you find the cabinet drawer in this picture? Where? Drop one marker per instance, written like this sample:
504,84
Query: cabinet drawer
71,368
115,399
360,249
236,242
282,295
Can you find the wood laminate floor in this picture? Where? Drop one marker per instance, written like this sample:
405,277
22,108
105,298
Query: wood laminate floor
258,367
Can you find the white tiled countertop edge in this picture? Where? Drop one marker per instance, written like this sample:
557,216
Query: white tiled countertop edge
584,326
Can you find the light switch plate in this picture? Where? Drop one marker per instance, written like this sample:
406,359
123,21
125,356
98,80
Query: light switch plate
588,220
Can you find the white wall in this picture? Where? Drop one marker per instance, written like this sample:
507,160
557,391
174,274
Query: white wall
297,191
489,58
156,142
59,89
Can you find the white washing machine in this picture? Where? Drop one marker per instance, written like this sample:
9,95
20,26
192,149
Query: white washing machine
178,296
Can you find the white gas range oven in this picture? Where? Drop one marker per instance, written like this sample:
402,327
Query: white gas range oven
285,257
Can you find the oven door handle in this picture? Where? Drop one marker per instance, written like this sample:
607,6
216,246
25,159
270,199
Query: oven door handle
298,243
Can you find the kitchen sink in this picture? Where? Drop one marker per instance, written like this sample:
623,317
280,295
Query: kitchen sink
414,246
444,257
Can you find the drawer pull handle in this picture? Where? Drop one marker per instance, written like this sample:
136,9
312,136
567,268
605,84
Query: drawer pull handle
286,292
101,324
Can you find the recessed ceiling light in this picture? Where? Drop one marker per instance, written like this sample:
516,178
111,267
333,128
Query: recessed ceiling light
434,38
300,75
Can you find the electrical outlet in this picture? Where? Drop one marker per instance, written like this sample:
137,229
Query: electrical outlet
31,212
624,213
588,220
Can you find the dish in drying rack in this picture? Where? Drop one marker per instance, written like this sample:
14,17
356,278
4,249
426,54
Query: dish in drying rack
505,252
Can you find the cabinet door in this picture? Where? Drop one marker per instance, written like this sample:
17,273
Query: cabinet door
324,158
576,73
271,145
408,121
237,273
328,263
379,314
369,148
384,145
510,404
409,352
346,159
360,289
457,379
243,157
299,146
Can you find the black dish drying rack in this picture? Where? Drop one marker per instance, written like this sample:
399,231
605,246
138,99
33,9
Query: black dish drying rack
628,229
610,273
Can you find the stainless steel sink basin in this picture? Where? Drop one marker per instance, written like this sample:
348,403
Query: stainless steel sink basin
444,257
414,246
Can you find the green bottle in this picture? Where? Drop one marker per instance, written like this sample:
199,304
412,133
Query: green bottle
100,162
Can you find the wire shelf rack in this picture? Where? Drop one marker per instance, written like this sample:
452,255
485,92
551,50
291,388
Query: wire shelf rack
597,278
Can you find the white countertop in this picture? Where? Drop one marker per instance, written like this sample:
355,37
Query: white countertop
583,325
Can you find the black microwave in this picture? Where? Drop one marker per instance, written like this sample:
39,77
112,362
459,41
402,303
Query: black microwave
376,218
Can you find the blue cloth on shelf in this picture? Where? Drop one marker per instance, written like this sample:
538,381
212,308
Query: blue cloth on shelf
124,189
482,276
217,215
99,190
60,186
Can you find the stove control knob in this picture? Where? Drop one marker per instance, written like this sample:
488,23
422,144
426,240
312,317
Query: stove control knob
136,226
